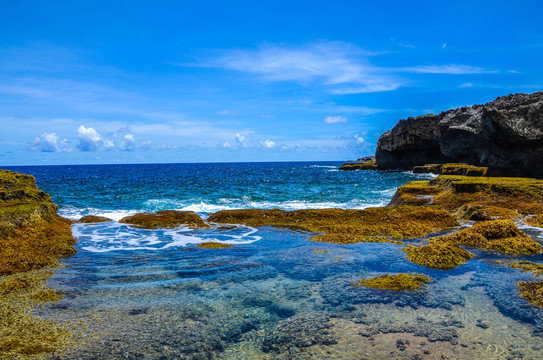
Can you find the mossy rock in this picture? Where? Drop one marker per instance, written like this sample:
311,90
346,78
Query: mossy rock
368,165
348,226
463,169
213,245
529,266
165,219
32,235
91,219
499,235
535,220
531,291
399,282
442,255
475,212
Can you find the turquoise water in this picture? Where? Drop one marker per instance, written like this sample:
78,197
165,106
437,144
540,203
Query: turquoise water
152,294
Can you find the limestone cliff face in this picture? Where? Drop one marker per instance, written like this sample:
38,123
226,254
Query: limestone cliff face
505,135
32,235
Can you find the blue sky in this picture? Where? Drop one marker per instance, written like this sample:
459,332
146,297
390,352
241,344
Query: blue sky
85,82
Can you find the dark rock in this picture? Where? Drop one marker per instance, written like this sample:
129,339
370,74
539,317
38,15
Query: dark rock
505,135
90,219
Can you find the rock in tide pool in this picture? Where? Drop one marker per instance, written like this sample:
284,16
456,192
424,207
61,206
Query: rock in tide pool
165,219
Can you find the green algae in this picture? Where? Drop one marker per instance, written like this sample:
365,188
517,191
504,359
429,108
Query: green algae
165,219
213,245
499,235
529,266
91,219
440,255
531,291
22,334
399,282
347,226
463,169
368,165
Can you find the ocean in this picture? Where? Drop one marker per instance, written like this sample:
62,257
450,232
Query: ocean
152,294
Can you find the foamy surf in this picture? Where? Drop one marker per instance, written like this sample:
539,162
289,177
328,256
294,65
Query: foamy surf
104,237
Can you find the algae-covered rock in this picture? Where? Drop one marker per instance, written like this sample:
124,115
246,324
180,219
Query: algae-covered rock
367,165
399,282
440,255
213,245
523,265
498,235
463,169
521,195
531,291
535,220
476,212
165,219
347,226
91,219
428,169
32,235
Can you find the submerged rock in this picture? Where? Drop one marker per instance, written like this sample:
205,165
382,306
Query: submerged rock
165,219
213,245
399,282
505,135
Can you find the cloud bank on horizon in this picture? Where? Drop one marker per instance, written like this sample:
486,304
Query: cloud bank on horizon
245,82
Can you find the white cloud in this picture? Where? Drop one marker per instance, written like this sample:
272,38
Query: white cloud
240,141
342,67
466,85
49,142
226,145
444,46
268,144
335,119
128,143
89,139
446,69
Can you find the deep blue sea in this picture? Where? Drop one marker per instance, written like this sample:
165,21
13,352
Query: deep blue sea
152,294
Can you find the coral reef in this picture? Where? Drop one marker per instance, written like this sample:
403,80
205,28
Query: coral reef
438,255
91,219
348,226
165,219
213,245
399,282
498,235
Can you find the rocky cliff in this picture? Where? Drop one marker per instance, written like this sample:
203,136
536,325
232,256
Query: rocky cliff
505,135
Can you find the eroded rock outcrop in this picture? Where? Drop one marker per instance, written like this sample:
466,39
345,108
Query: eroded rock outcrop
505,135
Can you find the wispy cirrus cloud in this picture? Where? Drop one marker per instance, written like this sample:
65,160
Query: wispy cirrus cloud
452,69
341,67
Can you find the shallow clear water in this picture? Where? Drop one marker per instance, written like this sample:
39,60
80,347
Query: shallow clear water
149,294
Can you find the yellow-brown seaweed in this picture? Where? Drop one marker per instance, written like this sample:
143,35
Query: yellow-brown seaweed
165,219
399,282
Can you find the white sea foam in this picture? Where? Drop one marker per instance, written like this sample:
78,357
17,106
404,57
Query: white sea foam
105,237
74,213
